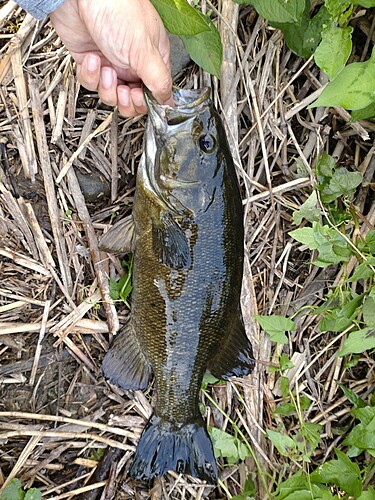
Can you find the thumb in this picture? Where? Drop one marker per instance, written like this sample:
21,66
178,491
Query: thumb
156,75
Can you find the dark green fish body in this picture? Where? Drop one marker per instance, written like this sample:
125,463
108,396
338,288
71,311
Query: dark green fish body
188,264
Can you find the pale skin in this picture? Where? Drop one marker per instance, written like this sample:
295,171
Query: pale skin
117,45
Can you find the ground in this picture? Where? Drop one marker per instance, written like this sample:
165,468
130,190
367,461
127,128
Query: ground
57,412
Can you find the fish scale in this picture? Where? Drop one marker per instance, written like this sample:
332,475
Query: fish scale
188,264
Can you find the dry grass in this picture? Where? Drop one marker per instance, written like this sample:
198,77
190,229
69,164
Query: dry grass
57,413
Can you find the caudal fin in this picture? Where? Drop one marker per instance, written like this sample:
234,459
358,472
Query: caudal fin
164,446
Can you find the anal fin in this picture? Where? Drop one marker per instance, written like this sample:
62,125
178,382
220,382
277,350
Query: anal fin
125,364
235,357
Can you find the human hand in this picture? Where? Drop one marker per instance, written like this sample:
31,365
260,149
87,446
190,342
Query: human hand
117,45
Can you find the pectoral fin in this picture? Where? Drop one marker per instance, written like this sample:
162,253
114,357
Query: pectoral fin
170,243
120,238
125,364
235,357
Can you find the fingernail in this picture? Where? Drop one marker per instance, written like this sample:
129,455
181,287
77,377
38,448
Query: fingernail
107,77
123,96
92,63
138,100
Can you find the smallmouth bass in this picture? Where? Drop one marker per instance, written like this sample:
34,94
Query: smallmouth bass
188,264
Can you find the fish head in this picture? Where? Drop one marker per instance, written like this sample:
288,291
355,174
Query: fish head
184,148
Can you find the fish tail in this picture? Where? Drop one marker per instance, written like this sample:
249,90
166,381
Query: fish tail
164,446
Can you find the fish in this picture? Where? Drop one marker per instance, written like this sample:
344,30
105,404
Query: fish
187,234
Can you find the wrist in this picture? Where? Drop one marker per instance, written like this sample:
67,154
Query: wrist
39,8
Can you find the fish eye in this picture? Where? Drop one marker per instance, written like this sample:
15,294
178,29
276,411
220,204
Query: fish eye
207,143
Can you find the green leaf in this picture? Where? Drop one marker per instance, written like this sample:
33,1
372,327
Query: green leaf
352,396
367,495
285,409
299,487
366,415
228,446
364,113
33,494
358,341
276,326
311,432
341,317
334,50
332,247
335,182
362,436
282,11
341,472
370,240
303,37
368,311
353,88
206,49
180,18
13,491
309,210
249,491
208,378
361,272
337,7
306,236
284,444
364,3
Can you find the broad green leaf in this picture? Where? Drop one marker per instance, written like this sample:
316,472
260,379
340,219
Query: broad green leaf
276,326
362,438
353,88
206,49
370,240
180,18
299,487
228,446
280,11
366,415
368,311
337,7
309,210
285,362
364,3
364,113
285,409
334,50
13,491
306,236
304,36
332,247
335,182
367,495
352,396
361,272
311,432
358,341
208,378
325,167
342,316
249,491
33,494
343,182
285,445
341,472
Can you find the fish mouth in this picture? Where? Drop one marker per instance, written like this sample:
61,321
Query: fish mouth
188,103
